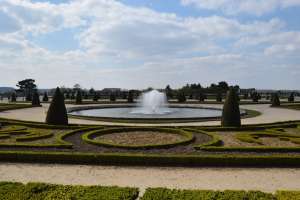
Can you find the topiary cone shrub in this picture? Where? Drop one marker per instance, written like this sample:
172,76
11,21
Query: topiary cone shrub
231,116
78,97
275,100
291,97
35,99
45,97
112,97
181,97
13,97
57,112
219,97
96,97
130,97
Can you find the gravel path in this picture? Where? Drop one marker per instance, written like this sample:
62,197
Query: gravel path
269,115
264,179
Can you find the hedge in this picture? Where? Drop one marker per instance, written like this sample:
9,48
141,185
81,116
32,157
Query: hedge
215,139
89,137
288,195
43,191
151,159
5,107
168,194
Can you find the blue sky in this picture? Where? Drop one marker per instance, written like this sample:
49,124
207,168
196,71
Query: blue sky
142,43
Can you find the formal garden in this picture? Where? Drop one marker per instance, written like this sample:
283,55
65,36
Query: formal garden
230,144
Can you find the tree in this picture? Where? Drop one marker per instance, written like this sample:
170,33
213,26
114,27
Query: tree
219,97
67,94
275,100
181,97
27,86
255,97
45,97
13,97
35,99
130,98
202,97
112,97
169,92
231,116
78,97
223,85
291,97
57,112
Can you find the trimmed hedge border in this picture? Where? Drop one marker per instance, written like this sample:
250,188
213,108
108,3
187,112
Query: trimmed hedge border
61,143
168,194
279,160
89,137
215,141
13,106
46,191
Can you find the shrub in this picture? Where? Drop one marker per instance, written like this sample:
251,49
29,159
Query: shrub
67,95
168,194
255,97
57,112
72,96
13,97
112,97
39,191
78,97
96,96
291,97
275,100
130,97
219,97
45,97
181,97
231,116
36,99
202,97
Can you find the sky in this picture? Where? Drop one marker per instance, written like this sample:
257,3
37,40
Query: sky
150,43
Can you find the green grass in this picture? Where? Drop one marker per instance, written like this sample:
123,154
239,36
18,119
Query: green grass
43,191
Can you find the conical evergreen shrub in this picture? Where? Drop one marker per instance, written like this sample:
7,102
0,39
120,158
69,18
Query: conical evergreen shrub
181,97
57,112
275,100
35,99
112,97
13,97
96,96
78,97
291,97
219,97
45,97
130,98
231,116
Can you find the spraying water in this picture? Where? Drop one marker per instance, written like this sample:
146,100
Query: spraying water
152,103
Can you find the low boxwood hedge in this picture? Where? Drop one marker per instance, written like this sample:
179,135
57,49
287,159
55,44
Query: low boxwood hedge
151,159
168,194
89,137
43,191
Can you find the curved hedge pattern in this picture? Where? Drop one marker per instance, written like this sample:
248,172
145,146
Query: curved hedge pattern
89,137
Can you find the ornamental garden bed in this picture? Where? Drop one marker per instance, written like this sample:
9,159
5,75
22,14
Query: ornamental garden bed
46,191
273,144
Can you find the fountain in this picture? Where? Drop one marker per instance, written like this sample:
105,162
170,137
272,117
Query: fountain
151,106
152,103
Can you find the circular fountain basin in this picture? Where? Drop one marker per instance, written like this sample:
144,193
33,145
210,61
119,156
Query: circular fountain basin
131,113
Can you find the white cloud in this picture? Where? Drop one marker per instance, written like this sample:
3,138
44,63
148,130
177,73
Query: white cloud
233,7
121,46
